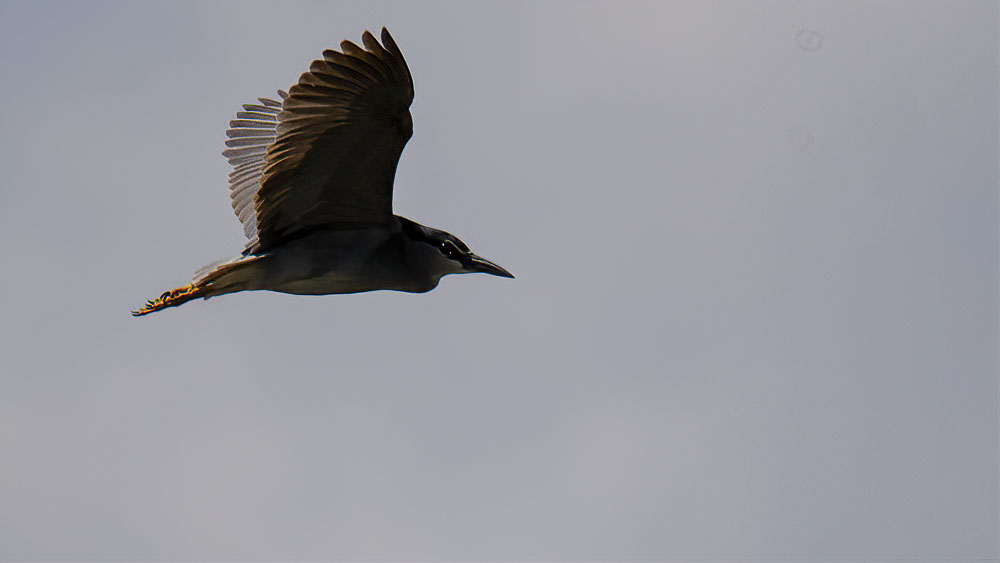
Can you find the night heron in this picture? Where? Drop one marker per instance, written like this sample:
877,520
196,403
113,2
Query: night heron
312,185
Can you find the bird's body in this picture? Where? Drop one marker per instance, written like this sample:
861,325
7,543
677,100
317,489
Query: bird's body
312,186
341,261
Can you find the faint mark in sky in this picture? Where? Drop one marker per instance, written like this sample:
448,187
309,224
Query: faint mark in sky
801,138
809,40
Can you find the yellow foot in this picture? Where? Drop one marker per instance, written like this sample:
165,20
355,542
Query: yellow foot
167,299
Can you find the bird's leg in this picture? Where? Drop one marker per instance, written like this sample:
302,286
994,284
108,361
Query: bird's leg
170,298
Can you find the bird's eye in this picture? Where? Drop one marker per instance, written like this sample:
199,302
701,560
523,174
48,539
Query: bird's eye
448,249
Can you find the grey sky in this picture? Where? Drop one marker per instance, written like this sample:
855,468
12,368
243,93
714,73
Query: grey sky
755,313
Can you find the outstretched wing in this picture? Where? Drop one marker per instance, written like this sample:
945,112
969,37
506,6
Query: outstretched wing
249,136
339,136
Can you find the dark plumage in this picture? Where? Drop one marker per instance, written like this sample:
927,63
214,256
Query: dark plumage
312,185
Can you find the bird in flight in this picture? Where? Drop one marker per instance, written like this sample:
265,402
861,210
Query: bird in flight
312,186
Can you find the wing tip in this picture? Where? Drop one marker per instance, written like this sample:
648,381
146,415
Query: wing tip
388,41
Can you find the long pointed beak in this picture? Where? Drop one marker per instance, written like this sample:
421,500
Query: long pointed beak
475,263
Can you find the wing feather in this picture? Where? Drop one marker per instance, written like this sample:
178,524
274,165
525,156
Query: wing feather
256,115
249,135
338,139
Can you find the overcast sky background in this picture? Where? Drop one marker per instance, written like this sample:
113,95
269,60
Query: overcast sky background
755,313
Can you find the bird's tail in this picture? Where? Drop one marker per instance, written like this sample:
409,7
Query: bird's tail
172,298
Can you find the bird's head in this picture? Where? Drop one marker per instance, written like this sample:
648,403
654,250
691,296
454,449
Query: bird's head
444,253
464,260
